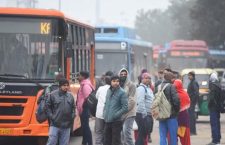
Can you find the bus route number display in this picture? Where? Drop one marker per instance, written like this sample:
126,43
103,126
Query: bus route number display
45,27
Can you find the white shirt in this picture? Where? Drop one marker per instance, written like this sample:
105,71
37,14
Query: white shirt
101,96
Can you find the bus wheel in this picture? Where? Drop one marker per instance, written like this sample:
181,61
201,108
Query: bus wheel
42,140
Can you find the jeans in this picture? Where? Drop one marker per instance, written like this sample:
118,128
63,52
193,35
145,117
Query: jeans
112,132
87,137
127,131
168,126
58,134
143,128
192,119
215,126
99,131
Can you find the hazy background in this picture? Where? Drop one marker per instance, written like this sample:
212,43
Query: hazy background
109,11
157,21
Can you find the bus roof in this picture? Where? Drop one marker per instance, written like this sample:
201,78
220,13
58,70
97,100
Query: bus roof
119,34
31,12
197,71
38,13
188,45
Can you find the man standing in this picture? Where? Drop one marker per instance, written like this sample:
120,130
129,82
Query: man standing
214,101
115,107
99,120
193,92
61,112
129,117
82,106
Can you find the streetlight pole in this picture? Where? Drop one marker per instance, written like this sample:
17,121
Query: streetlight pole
59,5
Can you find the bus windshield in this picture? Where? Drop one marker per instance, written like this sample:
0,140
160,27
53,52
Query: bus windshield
116,60
202,80
180,63
29,47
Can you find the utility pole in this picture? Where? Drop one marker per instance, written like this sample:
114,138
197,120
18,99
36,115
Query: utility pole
97,11
26,3
59,5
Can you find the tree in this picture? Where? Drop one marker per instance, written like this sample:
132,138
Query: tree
155,26
180,15
209,22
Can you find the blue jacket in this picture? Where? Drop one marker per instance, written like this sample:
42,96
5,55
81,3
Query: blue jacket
116,105
144,99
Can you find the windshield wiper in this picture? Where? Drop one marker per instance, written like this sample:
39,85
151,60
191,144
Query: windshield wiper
12,75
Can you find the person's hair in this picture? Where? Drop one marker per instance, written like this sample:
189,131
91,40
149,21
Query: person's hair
160,72
63,81
144,71
109,73
168,76
115,77
107,77
176,74
168,69
108,80
192,73
84,74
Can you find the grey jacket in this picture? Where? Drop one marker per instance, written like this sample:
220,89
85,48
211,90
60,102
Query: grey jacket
60,109
130,90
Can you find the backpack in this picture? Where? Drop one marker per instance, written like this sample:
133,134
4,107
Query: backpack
222,101
161,107
41,114
92,102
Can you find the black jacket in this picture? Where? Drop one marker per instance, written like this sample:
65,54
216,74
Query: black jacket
60,109
193,92
171,95
214,94
157,83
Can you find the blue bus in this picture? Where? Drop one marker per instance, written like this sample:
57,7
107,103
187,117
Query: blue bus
119,47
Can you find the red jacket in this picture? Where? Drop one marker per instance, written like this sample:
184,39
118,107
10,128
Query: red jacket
183,95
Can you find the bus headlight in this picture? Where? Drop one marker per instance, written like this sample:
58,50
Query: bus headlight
123,45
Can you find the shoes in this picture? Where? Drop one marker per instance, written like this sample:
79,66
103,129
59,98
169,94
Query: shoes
193,134
213,143
150,140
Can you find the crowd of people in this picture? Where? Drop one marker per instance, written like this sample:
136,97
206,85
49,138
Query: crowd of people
122,103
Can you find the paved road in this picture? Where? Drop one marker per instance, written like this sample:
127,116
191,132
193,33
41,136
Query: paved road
203,137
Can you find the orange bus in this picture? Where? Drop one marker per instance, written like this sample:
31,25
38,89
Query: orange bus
181,54
36,45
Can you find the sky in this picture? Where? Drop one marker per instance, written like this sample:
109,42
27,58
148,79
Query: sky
120,12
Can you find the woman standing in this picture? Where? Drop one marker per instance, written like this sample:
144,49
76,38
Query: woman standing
183,116
143,116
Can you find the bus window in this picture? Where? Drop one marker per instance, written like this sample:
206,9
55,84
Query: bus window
84,36
77,35
82,59
77,60
110,30
80,35
97,30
